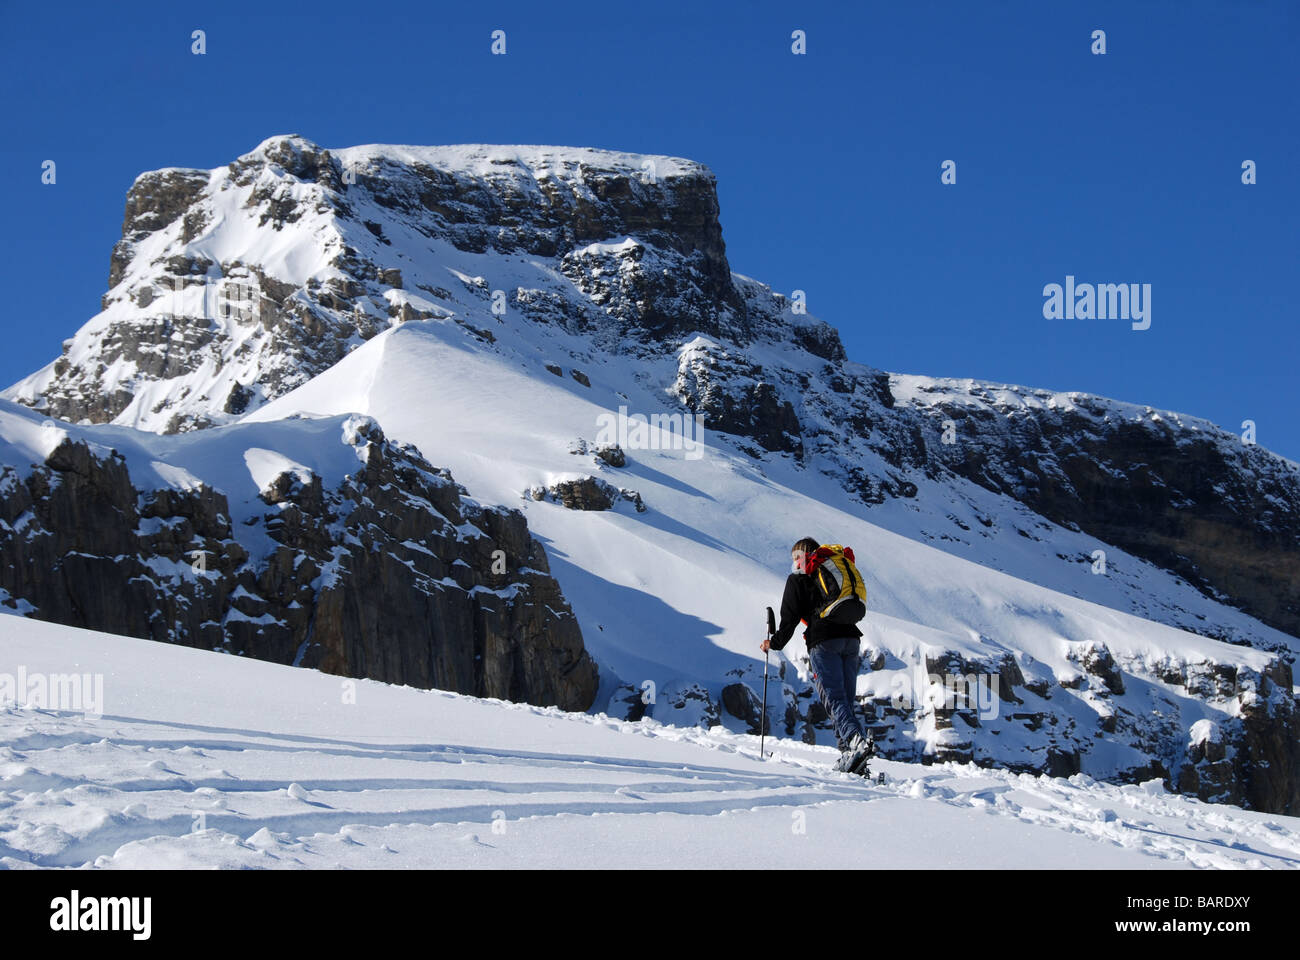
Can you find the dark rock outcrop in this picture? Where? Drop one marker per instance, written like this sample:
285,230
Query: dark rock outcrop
376,577
739,700
1222,514
611,455
1248,756
733,397
686,704
589,493
155,201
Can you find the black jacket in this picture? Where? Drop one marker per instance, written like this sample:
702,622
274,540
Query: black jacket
800,603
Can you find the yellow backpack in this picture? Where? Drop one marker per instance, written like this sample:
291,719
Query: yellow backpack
843,594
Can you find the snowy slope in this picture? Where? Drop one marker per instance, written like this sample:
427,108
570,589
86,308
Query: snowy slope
241,460
175,772
675,595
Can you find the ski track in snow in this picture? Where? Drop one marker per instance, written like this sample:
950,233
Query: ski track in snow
196,759
118,791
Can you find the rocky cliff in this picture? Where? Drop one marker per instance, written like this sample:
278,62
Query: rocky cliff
387,572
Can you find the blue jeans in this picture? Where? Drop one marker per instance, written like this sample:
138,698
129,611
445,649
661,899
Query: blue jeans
835,672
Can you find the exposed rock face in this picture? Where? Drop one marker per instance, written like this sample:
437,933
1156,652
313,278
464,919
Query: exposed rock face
391,575
732,396
551,205
627,703
156,200
167,316
687,704
589,493
611,455
739,700
1187,496
1251,759
1249,755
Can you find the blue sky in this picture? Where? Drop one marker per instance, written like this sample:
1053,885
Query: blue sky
1122,168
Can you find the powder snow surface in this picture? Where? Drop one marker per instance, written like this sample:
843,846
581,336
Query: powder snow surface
203,760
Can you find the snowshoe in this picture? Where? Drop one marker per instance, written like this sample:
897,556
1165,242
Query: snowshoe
845,763
854,759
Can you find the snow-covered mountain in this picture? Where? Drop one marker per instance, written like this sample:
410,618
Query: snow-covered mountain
496,308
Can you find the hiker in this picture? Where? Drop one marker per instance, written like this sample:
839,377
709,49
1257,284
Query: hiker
832,638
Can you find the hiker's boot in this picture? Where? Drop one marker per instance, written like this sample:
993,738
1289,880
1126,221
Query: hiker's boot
845,763
860,752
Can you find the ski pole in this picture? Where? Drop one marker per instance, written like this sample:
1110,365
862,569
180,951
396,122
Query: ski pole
762,722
